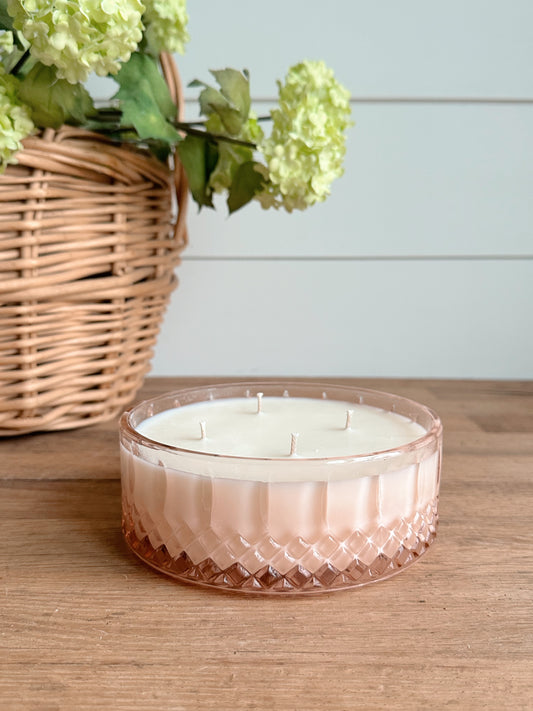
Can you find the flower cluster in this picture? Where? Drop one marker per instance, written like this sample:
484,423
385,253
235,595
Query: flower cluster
15,121
6,43
48,49
79,37
306,148
166,25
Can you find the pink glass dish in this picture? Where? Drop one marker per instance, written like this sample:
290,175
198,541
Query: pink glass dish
351,521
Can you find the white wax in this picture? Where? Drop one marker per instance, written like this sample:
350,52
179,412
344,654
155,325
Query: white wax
234,427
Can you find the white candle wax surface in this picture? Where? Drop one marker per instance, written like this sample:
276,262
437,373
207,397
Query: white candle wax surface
262,428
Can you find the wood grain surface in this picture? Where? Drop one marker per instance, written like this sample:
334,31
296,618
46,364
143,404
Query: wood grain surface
85,625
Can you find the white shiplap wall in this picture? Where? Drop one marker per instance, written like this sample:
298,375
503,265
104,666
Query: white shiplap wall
421,262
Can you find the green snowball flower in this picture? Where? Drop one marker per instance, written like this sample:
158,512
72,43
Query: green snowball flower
306,148
79,37
15,121
6,43
166,25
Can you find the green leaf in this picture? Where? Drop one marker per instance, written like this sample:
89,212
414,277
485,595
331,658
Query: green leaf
145,100
6,22
160,149
199,157
54,101
212,102
235,87
232,103
246,183
230,118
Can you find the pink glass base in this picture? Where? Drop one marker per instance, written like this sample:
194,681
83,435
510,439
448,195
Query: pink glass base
388,552
280,526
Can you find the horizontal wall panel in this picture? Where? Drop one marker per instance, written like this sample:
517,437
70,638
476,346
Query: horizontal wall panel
420,179
388,48
405,318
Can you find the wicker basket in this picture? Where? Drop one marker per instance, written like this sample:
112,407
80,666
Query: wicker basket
89,240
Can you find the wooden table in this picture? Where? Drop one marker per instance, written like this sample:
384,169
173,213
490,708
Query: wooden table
85,625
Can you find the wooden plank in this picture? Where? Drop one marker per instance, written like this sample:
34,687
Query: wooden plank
343,318
420,180
377,49
477,49
85,625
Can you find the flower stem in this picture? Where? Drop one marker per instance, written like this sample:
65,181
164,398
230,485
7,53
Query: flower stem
189,128
111,124
18,66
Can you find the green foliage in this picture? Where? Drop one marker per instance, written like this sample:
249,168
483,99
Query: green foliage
230,123
54,101
49,49
6,22
235,87
145,100
231,104
199,157
247,182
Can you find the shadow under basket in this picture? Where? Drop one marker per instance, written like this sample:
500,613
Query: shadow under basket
90,235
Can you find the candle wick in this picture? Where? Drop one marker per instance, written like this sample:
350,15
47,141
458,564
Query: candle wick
203,432
259,402
348,425
294,440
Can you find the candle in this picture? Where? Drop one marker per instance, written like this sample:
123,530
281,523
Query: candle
282,488
240,427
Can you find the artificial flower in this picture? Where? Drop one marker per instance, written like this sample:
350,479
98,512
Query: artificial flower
165,24
305,150
6,43
79,37
15,122
50,47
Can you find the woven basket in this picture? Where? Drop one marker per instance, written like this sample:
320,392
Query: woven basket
89,240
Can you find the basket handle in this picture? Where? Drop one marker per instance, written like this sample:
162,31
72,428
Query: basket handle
173,79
